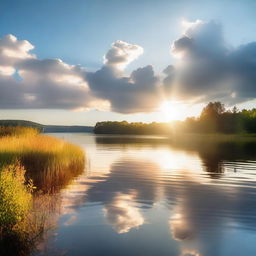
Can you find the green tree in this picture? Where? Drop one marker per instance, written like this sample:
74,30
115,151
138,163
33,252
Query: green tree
212,109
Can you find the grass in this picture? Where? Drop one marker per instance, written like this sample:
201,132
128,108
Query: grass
17,131
49,162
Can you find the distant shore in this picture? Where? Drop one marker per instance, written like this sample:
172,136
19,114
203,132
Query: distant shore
47,128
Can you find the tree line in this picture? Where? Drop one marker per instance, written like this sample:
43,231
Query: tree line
124,127
214,118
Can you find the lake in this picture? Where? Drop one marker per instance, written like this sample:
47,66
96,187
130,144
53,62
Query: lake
142,195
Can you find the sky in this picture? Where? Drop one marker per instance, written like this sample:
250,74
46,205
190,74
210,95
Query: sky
79,62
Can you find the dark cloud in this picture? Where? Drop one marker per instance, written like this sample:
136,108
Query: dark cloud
11,93
137,93
209,69
243,63
203,63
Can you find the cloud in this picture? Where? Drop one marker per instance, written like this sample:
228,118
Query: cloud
28,82
209,69
202,63
47,83
243,64
54,84
138,92
13,50
121,54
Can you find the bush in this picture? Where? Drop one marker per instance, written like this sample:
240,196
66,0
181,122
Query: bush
23,218
15,197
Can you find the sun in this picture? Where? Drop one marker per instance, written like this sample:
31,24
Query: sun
172,110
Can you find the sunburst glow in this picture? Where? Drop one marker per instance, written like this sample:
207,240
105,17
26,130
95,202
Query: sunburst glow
172,110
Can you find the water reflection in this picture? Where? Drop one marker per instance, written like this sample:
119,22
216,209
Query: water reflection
189,253
41,220
147,196
214,155
127,177
121,214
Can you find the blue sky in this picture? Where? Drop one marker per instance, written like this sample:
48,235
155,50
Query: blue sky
81,32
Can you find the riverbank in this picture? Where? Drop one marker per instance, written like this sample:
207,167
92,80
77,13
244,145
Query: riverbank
32,168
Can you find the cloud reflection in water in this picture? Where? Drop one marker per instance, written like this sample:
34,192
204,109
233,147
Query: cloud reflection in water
122,215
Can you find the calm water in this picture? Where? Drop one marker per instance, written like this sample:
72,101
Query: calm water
144,196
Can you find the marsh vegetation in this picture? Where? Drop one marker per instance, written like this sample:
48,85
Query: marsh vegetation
49,162
24,215
32,167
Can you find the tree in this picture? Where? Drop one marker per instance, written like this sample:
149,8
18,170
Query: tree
235,110
213,109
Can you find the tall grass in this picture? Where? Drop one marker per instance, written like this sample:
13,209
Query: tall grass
17,131
49,162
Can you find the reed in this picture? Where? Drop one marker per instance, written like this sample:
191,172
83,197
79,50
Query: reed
50,162
17,131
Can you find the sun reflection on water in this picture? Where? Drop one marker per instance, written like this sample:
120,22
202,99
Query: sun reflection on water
196,189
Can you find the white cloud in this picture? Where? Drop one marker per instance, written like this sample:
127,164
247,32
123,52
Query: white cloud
47,83
121,54
52,83
7,70
13,50
207,69
137,92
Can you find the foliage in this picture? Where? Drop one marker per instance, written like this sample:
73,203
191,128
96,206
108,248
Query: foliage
124,127
213,109
15,196
23,218
45,128
215,118
21,123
